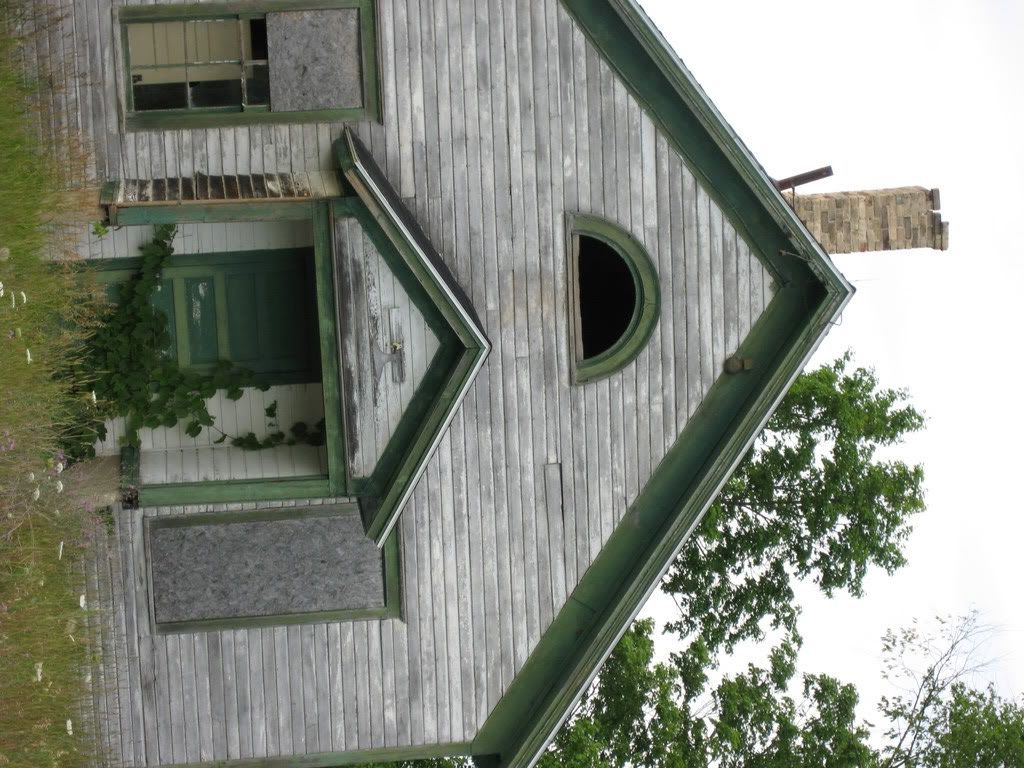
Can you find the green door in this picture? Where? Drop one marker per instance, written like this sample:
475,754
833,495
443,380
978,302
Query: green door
256,309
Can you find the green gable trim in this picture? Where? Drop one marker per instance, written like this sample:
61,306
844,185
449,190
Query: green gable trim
330,359
671,96
645,542
648,297
126,215
811,294
463,347
224,491
391,564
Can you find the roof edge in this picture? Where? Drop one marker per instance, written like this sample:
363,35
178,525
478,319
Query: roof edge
812,295
383,203
671,65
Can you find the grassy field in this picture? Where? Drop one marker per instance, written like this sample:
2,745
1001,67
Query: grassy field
45,649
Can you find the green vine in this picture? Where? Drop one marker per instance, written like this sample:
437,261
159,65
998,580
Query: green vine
136,379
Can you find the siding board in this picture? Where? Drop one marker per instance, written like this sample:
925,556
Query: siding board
499,118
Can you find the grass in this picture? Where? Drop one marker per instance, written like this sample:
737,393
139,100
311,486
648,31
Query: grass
45,319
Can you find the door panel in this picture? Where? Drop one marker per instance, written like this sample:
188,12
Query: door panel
255,309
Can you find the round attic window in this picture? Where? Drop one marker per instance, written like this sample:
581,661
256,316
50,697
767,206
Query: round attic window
615,299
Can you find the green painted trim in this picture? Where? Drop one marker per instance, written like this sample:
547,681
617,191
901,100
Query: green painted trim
642,547
108,192
670,95
340,759
214,118
648,297
178,260
207,212
390,563
463,347
228,8
223,491
174,120
646,541
330,360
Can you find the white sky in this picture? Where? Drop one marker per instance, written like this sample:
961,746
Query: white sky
899,93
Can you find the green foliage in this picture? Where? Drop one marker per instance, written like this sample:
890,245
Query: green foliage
636,709
134,377
45,315
974,729
812,501
100,229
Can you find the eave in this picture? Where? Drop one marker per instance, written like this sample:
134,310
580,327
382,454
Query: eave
811,295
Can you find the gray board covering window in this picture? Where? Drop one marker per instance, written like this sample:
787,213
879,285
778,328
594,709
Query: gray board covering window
249,62
275,567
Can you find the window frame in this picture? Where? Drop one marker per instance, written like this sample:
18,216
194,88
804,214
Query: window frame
214,117
645,312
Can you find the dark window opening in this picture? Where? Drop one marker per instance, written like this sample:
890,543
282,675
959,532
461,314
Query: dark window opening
199,64
258,36
607,296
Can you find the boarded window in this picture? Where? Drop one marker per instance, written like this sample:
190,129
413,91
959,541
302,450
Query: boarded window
240,569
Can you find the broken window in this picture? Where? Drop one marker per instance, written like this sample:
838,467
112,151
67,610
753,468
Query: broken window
208,65
614,297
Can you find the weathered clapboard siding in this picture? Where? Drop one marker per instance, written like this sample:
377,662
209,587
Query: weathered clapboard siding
499,117
376,316
168,455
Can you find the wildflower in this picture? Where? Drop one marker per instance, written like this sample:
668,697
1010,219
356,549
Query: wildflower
1,288
31,477
70,730
93,395
35,494
24,298
14,301
39,671
59,467
60,487
81,602
60,551
28,356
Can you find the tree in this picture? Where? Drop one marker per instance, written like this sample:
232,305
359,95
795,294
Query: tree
811,501
934,718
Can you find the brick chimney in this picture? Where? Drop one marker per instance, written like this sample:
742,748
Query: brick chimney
874,220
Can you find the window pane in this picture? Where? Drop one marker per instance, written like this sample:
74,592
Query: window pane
216,85
213,40
201,307
257,82
256,38
162,42
607,295
162,88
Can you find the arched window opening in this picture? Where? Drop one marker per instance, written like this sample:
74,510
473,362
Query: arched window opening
607,296
613,294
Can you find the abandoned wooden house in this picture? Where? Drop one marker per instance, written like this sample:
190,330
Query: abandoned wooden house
533,290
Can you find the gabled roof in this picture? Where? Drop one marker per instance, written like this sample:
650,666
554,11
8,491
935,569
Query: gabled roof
811,294
463,345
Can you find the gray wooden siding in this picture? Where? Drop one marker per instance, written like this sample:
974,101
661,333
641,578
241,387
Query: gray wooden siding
375,316
498,118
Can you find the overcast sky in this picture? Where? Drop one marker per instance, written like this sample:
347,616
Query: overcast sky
899,93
